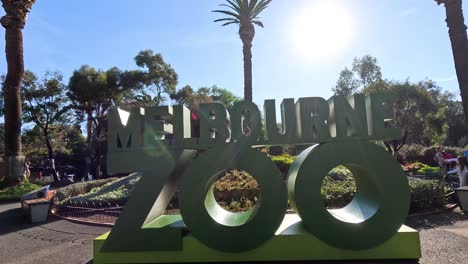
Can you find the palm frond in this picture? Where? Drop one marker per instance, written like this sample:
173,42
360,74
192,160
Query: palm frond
243,11
252,5
262,5
258,23
243,7
226,19
231,7
229,13
228,23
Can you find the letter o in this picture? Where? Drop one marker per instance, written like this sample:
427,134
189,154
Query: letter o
218,228
378,209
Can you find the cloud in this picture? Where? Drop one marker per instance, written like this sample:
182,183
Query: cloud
409,12
446,79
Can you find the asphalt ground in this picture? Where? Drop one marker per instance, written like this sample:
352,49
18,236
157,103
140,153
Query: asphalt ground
444,239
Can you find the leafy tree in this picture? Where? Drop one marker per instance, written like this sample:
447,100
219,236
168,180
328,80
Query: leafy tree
190,98
415,111
224,96
92,92
346,85
365,72
458,38
67,141
159,78
13,22
244,13
46,105
368,70
457,129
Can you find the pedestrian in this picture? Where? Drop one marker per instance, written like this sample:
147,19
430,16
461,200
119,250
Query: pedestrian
461,170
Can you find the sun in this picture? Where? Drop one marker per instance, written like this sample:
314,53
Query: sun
321,31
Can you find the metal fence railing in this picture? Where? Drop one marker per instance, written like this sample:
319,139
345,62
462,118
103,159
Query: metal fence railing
89,212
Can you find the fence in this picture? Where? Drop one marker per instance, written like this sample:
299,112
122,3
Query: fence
104,213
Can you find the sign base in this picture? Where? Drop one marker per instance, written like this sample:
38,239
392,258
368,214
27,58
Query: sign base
291,243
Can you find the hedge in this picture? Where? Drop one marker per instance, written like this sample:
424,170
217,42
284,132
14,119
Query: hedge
79,188
419,153
237,191
115,191
14,193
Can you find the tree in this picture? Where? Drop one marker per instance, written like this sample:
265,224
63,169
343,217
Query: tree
159,78
190,98
67,141
415,111
13,22
459,40
245,14
346,85
92,92
46,105
365,72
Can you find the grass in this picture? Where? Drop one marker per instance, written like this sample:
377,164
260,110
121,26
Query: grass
14,193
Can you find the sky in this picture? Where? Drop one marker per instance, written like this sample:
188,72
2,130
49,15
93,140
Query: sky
299,53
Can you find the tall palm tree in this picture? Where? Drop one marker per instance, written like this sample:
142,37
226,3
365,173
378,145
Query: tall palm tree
458,38
245,14
13,22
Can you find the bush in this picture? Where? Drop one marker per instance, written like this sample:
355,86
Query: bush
340,173
116,191
283,162
80,188
338,193
14,193
429,153
412,153
426,194
433,172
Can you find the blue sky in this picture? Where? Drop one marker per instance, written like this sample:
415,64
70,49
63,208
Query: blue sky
409,38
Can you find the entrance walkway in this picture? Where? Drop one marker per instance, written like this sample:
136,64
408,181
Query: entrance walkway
444,239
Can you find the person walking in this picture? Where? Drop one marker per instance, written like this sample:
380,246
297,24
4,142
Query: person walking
461,170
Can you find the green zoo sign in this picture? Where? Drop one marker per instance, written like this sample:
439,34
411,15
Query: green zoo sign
157,143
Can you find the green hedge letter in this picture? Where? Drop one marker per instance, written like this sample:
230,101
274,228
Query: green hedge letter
218,228
380,204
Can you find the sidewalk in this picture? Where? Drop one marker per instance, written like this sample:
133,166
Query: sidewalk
57,241
444,239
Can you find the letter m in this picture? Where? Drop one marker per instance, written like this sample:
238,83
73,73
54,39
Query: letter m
125,135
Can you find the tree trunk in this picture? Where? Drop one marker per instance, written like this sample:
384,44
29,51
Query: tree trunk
98,152
12,102
50,156
458,38
247,50
88,146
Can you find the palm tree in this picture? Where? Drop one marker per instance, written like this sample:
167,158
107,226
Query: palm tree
13,22
245,14
458,38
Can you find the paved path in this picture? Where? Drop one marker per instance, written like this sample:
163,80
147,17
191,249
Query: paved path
57,241
444,239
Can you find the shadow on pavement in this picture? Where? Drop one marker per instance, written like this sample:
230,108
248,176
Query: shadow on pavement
12,220
430,221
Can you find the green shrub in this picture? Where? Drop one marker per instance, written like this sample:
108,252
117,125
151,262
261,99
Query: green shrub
14,193
337,193
117,191
426,194
283,162
79,188
429,153
412,153
340,173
